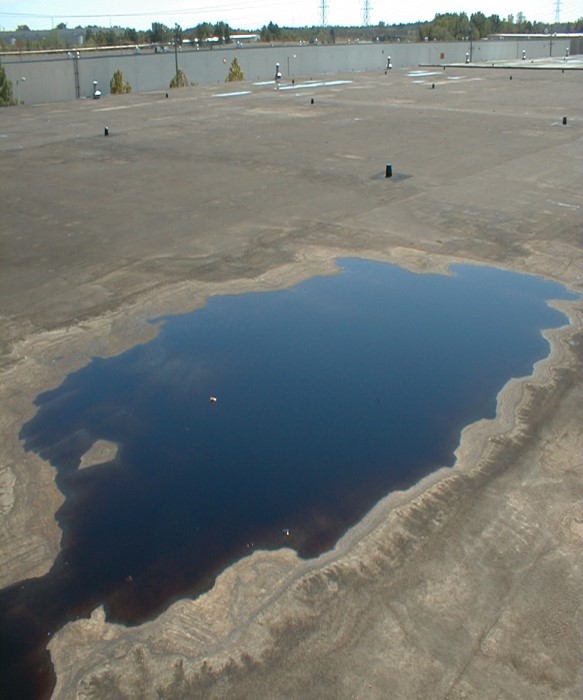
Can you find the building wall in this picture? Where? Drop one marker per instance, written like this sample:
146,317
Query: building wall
57,78
576,45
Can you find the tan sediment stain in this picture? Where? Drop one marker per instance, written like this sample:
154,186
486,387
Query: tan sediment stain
239,612
7,481
238,615
101,451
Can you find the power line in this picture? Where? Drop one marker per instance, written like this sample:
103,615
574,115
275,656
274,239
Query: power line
182,11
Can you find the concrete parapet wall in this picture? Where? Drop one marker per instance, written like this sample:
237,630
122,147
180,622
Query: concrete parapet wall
51,78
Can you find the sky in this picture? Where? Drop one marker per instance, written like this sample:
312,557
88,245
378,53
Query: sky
253,14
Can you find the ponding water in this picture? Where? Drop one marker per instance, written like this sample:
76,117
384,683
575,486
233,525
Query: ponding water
261,421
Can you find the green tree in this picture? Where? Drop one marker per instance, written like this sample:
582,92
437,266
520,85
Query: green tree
130,35
111,37
235,72
55,41
480,24
204,31
160,33
223,32
100,37
271,32
447,27
495,24
117,86
508,25
6,97
179,80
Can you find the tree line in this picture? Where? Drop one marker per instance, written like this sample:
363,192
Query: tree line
458,26
444,27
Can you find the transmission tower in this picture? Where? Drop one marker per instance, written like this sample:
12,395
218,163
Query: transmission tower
324,12
366,13
557,11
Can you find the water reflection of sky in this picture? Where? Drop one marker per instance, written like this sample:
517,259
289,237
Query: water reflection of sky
329,395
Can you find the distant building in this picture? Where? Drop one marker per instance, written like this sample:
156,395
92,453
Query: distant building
238,39
245,38
520,37
25,37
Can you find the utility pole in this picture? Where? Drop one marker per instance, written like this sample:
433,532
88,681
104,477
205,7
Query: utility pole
551,44
176,50
553,28
324,12
366,13
76,74
18,89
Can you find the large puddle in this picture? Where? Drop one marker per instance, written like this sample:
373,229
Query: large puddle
325,397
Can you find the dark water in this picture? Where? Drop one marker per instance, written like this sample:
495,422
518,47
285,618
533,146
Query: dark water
330,395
